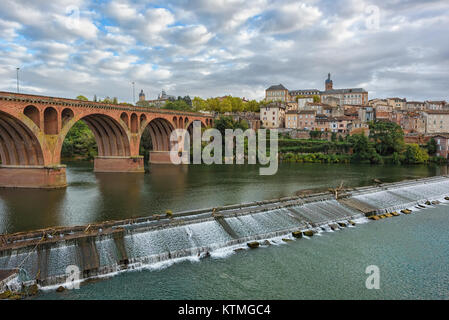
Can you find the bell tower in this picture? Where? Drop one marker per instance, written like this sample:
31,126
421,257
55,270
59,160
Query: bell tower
141,96
328,85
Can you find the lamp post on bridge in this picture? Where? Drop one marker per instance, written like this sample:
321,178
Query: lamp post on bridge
134,93
17,70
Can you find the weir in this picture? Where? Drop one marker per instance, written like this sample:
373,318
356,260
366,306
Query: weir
42,256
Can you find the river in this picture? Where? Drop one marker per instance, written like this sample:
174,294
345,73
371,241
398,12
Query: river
411,250
94,197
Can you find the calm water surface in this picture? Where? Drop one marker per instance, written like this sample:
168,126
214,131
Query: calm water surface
92,197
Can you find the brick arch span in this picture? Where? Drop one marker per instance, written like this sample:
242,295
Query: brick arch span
19,145
188,125
111,136
160,130
33,129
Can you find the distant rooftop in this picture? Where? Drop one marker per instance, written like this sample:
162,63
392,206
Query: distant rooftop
275,104
350,90
299,92
276,87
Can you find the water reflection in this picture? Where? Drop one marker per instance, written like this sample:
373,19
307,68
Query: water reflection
97,197
118,193
28,209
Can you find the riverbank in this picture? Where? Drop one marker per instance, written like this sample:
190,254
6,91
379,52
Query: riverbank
355,149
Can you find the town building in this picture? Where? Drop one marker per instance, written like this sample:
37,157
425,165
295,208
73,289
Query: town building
435,105
442,141
322,123
291,119
302,101
376,102
346,96
322,108
305,93
306,120
277,93
436,121
341,124
272,115
335,97
366,113
415,105
383,112
251,118
332,101
159,102
397,103
412,122
358,126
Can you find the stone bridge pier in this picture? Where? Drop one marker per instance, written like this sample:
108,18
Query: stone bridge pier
33,129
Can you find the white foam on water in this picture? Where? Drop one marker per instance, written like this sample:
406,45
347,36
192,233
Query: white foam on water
158,249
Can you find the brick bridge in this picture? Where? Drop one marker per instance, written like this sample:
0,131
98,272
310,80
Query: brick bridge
33,128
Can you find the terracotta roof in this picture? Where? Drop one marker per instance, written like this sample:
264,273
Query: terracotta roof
437,111
443,134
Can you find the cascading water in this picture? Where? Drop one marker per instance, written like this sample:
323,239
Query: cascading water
400,197
149,241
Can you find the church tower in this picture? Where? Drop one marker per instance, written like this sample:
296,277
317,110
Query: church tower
141,96
328,85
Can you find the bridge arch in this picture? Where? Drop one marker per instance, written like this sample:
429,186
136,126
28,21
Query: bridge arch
66,115
111,138
134,123
143,121
50,121
124,117
18,144
33,113
160,130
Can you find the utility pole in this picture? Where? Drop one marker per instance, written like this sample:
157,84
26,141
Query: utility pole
134,93
17,69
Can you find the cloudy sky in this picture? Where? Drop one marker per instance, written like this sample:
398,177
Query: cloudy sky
216,47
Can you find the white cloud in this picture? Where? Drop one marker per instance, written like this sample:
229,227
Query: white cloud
211,48
290,17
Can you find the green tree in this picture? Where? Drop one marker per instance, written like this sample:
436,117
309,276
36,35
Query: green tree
431,146
213,104
414,154
199,104
179,105
81,97
143,103
252,106
79,142
223,123
188,100
334,137
363,150
387,136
